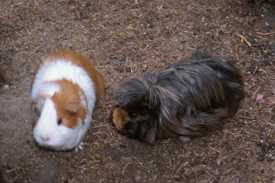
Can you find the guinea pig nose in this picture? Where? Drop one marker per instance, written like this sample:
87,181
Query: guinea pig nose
45,139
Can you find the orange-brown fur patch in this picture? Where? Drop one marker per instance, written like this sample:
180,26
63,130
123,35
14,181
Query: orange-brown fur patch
68,103
119,117
83,62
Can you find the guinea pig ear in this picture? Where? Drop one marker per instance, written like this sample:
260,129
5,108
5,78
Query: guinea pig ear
69,103
151,136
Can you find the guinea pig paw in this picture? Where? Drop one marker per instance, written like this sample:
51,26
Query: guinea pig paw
184,139
80,147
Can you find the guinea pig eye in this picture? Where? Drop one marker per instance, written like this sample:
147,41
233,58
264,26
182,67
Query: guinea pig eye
37,111
133,114
59,122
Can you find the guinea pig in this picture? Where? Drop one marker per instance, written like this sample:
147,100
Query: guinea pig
186,100
64,93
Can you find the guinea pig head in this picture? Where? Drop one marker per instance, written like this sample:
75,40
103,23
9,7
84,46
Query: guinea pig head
61,117
132,115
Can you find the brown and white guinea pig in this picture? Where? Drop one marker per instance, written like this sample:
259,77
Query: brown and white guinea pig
186,100
64,93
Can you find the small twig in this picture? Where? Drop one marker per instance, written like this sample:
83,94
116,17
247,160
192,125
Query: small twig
247,118
178,168
155,178
13,170
271,101
270,124
255,92
101,133
217,151
139,162
125,167
100,126
243,39
265,33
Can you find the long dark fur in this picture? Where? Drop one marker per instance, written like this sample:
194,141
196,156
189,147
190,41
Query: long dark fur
187,99
258,4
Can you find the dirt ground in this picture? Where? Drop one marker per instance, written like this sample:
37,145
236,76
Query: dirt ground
126,38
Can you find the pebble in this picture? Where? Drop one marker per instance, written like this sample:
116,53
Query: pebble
138,176
6,87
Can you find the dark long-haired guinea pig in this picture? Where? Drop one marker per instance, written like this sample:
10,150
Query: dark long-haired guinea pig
186,100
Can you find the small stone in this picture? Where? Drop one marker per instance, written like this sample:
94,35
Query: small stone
6,87
259,97
138,177
267,24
